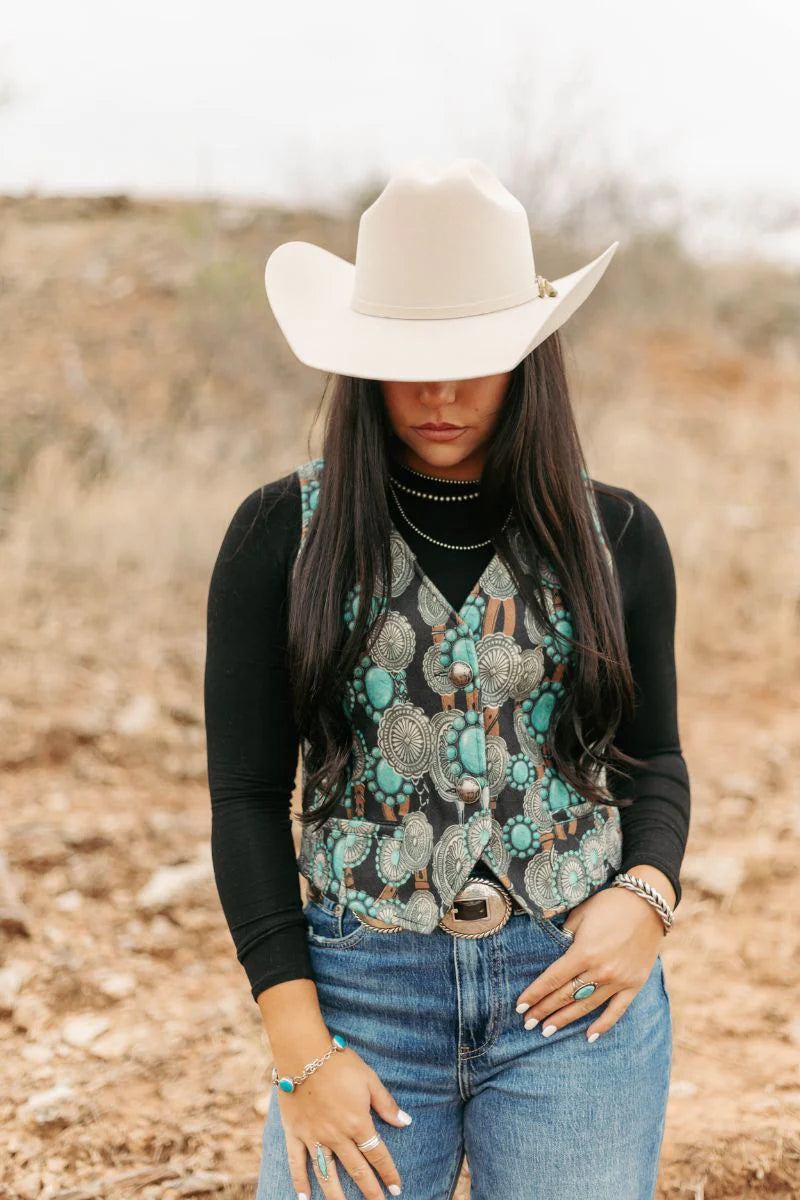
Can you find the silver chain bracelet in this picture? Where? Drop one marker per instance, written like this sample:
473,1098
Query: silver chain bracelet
646,890
287,1083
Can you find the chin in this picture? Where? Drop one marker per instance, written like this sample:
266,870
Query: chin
440,452
438,455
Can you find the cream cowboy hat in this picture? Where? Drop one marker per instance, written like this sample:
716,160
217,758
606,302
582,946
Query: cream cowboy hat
444,284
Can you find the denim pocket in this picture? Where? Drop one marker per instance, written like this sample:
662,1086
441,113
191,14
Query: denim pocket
553,926
664,987
332,929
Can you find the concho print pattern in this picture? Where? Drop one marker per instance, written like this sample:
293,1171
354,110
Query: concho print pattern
403,841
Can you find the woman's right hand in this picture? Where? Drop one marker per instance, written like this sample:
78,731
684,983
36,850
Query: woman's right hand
332,1106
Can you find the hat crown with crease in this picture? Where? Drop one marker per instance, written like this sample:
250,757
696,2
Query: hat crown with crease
444,283
446,243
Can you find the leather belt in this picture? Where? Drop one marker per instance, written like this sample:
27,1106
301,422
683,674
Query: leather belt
481,907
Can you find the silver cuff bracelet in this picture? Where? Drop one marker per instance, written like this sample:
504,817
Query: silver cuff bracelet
635,883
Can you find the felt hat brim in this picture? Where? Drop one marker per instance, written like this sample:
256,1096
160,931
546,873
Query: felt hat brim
309,290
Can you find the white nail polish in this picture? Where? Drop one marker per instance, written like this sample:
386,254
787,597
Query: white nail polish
395,1189
593,1037
302,1196
404,1117
548,1029
531,1022
523,1007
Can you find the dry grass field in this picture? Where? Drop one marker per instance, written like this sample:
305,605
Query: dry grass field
145,391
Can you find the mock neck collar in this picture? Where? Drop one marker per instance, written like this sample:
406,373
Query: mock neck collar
427,481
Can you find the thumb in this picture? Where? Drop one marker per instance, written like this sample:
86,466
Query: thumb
384,1102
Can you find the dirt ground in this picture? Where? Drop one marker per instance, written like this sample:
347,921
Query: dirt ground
132,1058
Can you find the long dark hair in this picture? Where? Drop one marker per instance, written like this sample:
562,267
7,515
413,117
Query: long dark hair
533,464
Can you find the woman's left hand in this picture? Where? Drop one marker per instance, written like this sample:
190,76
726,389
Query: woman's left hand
617,938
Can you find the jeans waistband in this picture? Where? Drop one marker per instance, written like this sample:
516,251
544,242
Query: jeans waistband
470,914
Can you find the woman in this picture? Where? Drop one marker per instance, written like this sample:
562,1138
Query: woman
471,642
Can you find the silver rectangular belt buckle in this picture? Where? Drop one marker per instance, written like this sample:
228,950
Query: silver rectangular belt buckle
480,908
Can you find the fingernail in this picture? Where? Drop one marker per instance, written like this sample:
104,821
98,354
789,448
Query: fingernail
302,1196
404,1117
548,1029
523,1007
593,1037
531,1022
395,1189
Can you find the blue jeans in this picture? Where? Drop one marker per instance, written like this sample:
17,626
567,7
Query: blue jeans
538,1118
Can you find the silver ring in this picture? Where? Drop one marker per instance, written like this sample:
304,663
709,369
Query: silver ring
370,1143
577,984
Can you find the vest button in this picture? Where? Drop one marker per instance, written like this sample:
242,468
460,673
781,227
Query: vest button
460,672
468,789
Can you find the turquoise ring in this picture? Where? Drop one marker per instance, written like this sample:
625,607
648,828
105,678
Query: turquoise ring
322,1161
583,990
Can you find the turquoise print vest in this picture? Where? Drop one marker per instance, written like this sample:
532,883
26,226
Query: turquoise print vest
450,764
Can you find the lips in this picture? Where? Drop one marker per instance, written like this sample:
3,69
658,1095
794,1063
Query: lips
440,433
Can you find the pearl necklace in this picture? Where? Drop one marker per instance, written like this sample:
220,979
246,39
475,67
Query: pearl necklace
433,495
436,541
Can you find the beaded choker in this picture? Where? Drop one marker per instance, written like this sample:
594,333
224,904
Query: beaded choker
438,478
433,495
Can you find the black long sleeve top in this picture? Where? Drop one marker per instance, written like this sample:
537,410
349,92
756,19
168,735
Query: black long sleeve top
252,742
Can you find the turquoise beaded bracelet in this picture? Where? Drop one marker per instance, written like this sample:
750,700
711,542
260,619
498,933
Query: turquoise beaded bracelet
287,1083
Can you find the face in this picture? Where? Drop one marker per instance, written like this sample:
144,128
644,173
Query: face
471,406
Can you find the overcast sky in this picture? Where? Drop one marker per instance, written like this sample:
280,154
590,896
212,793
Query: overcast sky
302,102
